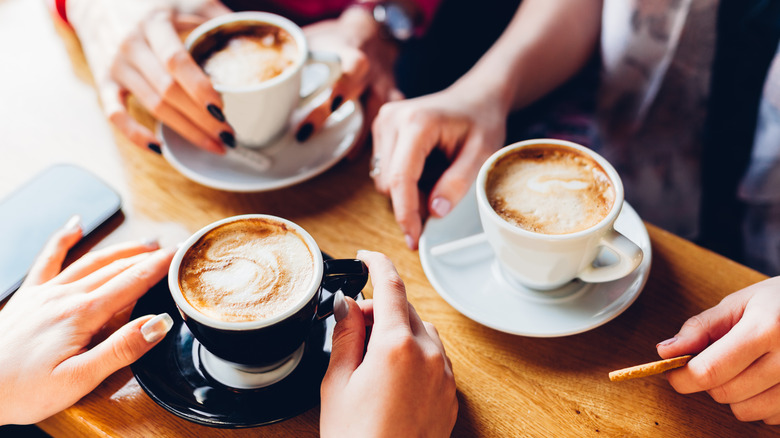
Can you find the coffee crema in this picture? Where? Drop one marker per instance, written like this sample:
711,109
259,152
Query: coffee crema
244,54
247,270
549,189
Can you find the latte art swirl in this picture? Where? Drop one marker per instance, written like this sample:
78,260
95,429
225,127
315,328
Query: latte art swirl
244,54
247,270
550,190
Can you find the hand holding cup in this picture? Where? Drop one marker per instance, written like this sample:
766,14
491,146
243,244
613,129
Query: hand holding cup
404,384
141,54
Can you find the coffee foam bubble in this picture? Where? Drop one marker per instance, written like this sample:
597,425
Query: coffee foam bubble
248,270
550,190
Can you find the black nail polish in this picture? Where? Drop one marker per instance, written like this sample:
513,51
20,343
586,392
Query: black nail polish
228,139
304,133
216,112
154,147
337,101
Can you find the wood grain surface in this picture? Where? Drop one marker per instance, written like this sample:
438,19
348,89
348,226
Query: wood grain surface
508,386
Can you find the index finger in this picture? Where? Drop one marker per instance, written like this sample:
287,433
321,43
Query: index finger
390,307
722,360
165,43
406,167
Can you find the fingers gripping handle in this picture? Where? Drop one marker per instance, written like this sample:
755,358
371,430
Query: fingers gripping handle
629,257
333,63
348,275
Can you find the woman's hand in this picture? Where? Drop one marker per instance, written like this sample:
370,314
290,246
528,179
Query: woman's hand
403,385
466,127
51,351
367,62
738,342
133,47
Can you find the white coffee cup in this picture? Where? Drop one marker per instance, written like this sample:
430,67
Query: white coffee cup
548,261
260,113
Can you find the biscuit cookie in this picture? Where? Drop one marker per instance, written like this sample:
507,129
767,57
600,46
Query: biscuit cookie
649,369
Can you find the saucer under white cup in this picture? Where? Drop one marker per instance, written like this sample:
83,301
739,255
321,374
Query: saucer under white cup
289,162
470,281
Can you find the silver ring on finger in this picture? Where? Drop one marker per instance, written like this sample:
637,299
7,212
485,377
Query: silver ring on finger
375,169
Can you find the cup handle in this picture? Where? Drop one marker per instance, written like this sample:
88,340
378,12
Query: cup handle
629,257
330,60
347,275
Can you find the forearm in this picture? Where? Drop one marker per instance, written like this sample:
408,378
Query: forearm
545,44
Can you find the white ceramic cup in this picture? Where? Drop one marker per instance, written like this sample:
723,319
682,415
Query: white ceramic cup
260,113
548,261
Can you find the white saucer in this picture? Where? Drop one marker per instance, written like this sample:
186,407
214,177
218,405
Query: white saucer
468,279
291,162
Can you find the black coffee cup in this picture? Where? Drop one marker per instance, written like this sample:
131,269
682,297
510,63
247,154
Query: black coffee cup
266,342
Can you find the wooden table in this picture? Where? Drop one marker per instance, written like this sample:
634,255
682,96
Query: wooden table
508,385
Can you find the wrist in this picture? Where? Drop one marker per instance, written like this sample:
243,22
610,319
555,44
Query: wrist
361,26
397,20
485,90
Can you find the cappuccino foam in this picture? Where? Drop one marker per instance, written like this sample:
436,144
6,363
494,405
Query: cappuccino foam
550,190
247,270
248,56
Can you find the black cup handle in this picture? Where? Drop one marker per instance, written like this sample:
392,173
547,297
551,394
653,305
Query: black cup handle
348,275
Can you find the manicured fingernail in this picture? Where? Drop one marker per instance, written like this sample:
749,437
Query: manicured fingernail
228,139
441,206
340,306
154,329
154,147
669,341
362,252
337,101
304,133
216,112
410,242
150,242
73,223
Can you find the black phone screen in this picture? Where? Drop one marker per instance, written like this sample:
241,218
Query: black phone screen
30,215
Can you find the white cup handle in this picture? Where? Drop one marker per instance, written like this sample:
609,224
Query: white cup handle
629,257
330,60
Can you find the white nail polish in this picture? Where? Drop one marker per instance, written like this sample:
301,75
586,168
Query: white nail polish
340,306
73,223
154,329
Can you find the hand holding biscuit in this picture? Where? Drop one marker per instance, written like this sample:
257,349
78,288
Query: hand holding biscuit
739,359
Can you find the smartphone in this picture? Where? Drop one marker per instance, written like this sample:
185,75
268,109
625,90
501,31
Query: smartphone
30,215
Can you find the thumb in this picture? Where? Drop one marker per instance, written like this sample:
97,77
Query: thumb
349,339
701,330
122,348
455,182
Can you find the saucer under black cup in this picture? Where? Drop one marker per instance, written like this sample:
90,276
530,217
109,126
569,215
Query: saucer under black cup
173,377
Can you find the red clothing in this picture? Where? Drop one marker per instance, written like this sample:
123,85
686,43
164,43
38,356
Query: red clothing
301,11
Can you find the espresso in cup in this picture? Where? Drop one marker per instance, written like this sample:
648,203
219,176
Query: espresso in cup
550,189
244,53
247,270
